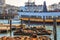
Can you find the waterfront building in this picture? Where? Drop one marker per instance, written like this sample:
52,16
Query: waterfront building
5,7
2,4
12,8
44,7
7,10
31,7
54,7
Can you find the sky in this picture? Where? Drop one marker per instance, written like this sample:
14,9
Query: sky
38,2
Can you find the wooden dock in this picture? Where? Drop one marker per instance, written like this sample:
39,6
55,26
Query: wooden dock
39,20
8,25
4,29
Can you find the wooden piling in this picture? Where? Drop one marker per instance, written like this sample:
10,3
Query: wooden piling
54,28
10,27
43,21
28,21
21,22
8,20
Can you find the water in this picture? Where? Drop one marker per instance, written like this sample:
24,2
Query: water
13,21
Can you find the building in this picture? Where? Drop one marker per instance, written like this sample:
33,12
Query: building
2,4
44,7
30,6
7,11
5,8
11,9
54,7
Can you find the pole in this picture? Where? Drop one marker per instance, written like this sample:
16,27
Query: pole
10,27
43,21
54,28
8,20
21,23
29,21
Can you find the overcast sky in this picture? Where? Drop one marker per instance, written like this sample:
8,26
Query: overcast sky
21,2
